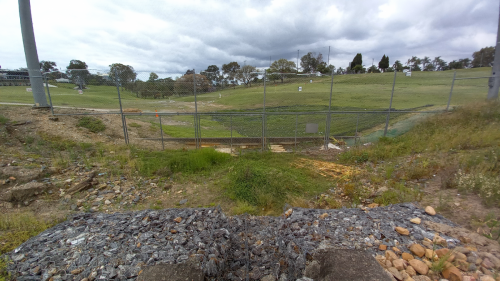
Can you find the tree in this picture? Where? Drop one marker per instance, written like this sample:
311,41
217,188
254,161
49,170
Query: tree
324,69
245,74
483,57
384,63
357,60
455,64
125,73
230,70
414,63
47,66
398,65
466,62
439,64
359,69
152,77
340,70
309,63
425,61
212,73
373,69
430,67
77,70
283,66
185,84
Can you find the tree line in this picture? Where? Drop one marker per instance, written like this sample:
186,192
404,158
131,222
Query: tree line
481,58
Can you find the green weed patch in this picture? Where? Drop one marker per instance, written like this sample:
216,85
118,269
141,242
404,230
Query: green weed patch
92,124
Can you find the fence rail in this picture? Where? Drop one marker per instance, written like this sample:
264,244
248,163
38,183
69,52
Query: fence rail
285,108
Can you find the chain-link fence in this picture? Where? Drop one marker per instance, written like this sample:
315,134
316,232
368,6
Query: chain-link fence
251,108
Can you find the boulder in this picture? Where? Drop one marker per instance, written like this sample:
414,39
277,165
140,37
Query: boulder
25,191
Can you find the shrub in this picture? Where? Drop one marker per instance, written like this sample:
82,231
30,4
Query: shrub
92,124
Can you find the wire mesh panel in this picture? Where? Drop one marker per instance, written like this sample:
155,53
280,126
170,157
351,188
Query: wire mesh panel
469,89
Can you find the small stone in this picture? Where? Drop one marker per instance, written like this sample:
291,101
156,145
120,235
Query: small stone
402,231
76,271
429,254
440,241
487,264
419,266
410,270
465,239
390,255
107,202
288,212
323,216
395,273
487,278
462,265
269,277
416,220
178,219
399,264
460,256
183,201
407,257
442,252
429,210
417,250
173,231
12,178
396,250
452,273
382,247
421,278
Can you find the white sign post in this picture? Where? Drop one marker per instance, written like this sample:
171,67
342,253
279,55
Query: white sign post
300,89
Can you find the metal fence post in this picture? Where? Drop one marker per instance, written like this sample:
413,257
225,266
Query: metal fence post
390,105
356,134
451,91
231,133
48,92
329,116
264,114
121,108
296,129
161,130
195,111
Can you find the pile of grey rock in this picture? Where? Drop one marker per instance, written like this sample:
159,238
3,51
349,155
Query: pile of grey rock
95,246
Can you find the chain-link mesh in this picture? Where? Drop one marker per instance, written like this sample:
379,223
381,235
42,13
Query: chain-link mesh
249,108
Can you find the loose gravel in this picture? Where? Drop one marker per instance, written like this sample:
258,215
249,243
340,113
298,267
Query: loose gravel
118,246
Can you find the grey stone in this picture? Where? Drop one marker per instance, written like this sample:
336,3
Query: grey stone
172,272
183,201
23,192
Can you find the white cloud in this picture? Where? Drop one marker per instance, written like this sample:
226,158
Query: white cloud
176,36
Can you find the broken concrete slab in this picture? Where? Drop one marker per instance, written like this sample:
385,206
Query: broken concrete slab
23,192
343,264
21,174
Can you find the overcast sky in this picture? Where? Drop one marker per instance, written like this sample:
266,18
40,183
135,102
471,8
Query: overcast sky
173,36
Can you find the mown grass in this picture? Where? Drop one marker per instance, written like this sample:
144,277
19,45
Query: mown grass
368,91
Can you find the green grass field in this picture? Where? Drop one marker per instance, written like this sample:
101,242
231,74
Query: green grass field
350,92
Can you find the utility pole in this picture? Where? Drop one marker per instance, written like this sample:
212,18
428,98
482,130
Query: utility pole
298,61
328,55
31,54
495,85
481,63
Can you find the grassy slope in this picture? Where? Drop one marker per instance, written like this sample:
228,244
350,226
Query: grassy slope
359,91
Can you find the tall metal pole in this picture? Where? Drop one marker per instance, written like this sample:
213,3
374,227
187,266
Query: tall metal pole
231,133
298,61
451,91
390,106
31,54
493,91
328,55
264,113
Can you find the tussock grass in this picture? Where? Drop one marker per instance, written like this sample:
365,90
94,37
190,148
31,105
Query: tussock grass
92,124
164,163
15,229
465,128
3,120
